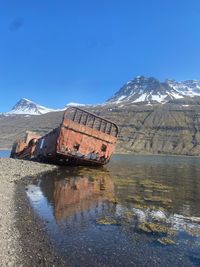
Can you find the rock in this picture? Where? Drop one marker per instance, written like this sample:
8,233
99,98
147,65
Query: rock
141,216
107,221
158,215
153,228
166,241
143,227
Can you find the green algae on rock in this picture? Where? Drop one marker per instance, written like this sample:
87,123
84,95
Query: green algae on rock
166,241
107,221
153,228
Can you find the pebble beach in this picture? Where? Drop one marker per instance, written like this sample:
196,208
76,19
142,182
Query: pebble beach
23,241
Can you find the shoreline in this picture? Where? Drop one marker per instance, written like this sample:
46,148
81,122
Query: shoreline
136,154
23,240
162,155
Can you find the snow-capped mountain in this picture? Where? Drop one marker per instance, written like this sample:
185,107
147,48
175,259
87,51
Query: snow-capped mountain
139,90
25,106
187,88
28,107
151,90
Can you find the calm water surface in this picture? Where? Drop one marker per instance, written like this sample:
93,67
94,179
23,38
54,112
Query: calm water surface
4,153
137,211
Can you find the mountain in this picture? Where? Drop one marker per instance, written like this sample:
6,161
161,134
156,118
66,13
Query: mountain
28,107
189,88
25,106
140,90
150,90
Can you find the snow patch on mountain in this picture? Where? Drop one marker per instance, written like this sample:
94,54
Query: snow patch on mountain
27,107
141,98
189,88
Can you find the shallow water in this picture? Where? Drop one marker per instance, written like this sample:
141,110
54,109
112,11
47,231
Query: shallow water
4,153
137,211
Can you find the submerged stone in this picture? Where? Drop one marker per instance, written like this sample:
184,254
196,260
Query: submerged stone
143,227
140,206
135,199
107,221
157,228
193,231
166,241
164,201
153,228
158,215
141,216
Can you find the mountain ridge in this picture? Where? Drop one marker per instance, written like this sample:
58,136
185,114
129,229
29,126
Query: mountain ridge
27,107
151,90
140,90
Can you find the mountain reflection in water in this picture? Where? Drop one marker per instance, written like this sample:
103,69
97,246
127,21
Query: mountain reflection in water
113,217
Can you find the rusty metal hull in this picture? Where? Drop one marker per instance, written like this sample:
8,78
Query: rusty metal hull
69,160
82,138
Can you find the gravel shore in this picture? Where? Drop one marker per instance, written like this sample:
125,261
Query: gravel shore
23,241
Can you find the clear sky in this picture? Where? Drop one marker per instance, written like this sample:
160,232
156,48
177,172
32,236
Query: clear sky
58,51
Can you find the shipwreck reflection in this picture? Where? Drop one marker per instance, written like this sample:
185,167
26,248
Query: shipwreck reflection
77,191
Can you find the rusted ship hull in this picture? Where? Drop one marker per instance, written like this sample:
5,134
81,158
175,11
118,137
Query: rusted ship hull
82,138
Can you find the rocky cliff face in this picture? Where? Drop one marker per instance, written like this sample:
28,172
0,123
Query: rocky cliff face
161,129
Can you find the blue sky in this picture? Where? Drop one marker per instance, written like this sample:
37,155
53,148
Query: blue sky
58,51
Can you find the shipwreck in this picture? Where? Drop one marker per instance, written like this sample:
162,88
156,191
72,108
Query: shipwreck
83,138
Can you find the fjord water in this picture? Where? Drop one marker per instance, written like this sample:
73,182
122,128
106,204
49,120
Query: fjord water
137,211
4,153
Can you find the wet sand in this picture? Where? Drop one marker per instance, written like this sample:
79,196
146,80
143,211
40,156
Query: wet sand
23,240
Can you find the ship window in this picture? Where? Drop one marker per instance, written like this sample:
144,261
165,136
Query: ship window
103,148
41,143
76,147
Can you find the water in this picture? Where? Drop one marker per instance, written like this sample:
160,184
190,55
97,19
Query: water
138,211
4,153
